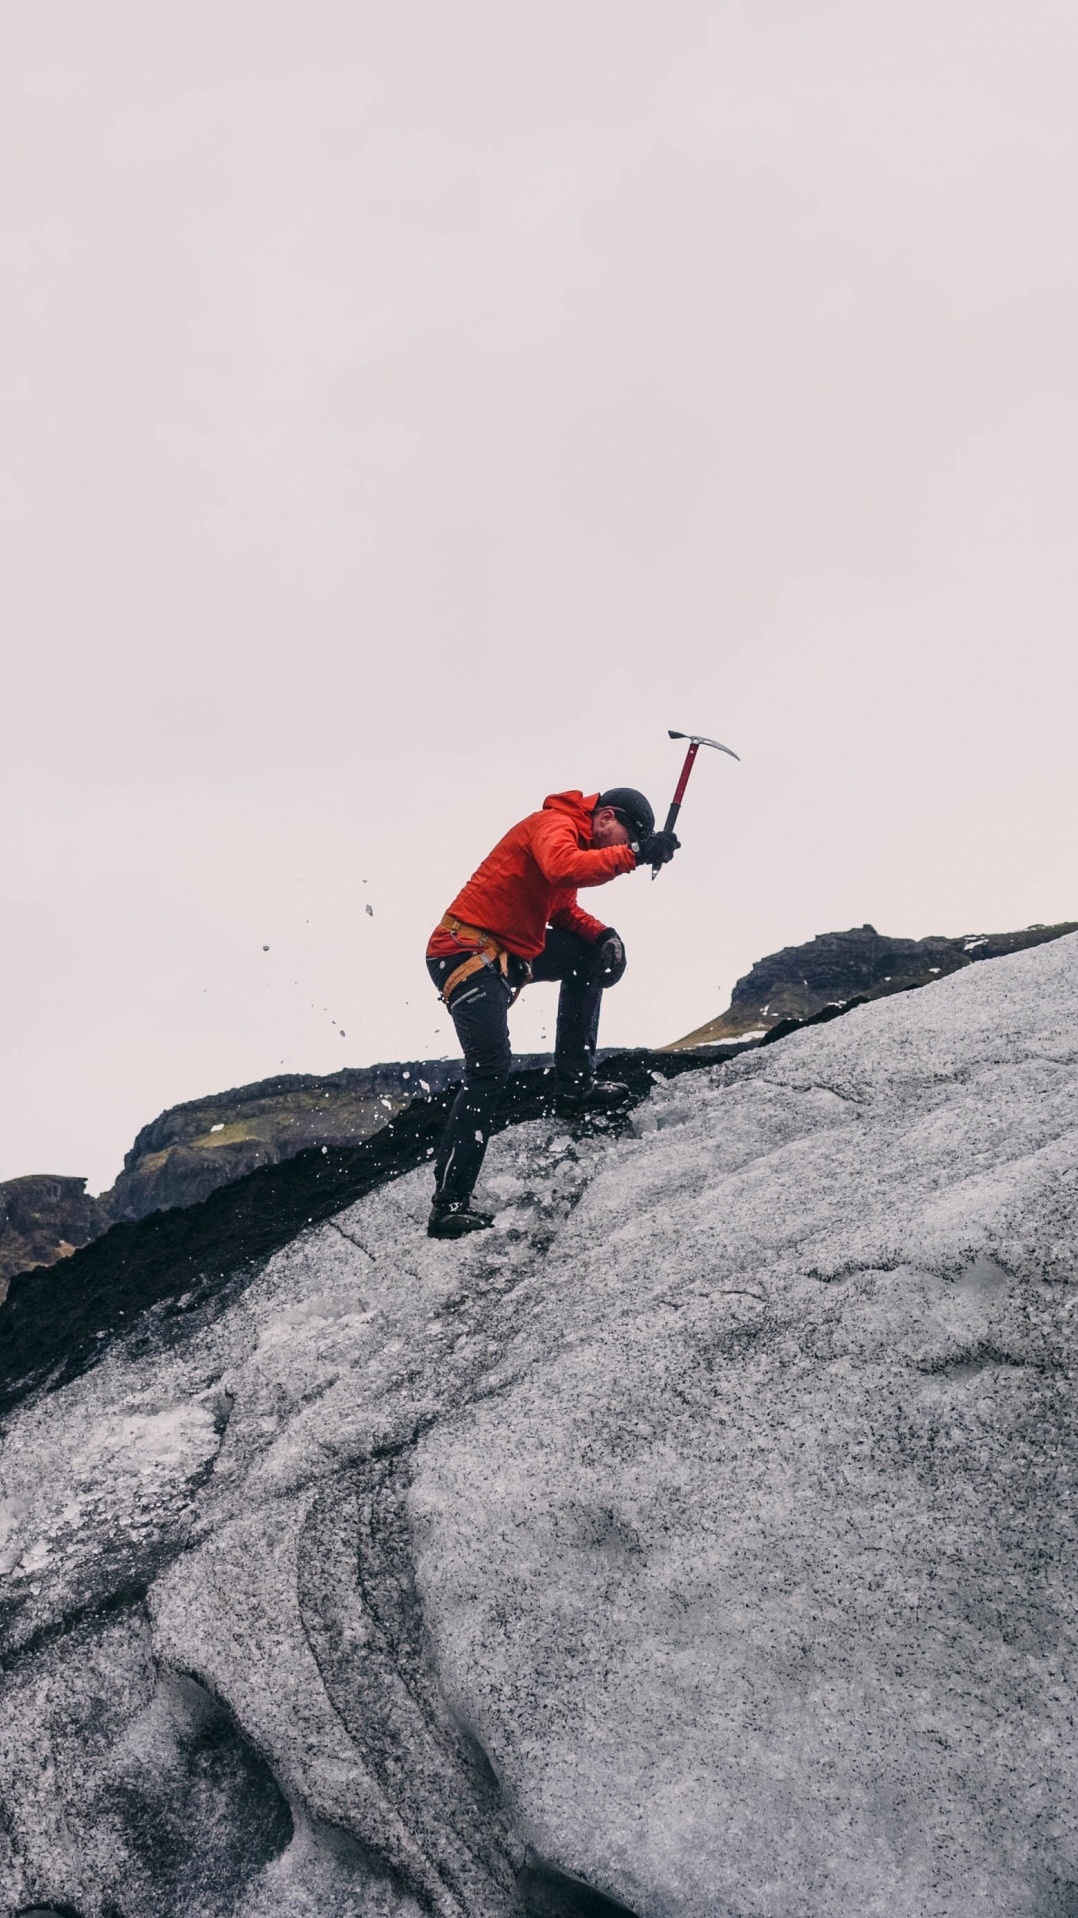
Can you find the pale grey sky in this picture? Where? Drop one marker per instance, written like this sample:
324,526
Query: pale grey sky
409,411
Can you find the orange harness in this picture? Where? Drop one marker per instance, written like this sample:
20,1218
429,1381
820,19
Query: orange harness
488,953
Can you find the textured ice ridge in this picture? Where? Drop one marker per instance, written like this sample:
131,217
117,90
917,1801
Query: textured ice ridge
701,1541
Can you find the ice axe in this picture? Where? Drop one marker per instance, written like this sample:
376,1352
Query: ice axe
696,740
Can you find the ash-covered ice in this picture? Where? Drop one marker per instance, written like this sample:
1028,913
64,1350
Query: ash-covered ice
699,1541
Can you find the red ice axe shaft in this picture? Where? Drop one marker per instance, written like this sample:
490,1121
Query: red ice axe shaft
696,740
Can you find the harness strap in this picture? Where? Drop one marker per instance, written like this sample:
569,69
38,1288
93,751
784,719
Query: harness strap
488,953
460,973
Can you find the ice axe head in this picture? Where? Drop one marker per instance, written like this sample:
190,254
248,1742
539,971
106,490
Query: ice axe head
699,740
696,740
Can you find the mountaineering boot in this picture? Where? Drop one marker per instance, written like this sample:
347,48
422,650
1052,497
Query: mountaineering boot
452,1218
583,1097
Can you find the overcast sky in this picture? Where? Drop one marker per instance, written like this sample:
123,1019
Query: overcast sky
408,411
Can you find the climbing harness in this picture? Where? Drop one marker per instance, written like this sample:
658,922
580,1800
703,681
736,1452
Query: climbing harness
487,952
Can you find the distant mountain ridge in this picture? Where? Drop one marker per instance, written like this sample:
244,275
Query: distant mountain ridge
798,982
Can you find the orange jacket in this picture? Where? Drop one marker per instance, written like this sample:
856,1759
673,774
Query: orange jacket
530,879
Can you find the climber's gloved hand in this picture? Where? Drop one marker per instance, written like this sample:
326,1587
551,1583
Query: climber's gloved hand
609,963
657,848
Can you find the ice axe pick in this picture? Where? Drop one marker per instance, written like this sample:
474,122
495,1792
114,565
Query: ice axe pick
696,740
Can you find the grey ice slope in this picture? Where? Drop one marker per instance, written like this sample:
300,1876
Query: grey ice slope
707,1530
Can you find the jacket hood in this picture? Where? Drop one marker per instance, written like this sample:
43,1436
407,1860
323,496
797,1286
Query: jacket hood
571,802
577,805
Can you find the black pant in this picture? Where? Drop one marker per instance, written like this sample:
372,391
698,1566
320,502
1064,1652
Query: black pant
479,1008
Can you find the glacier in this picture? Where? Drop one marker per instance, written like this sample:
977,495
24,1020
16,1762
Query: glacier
699,1543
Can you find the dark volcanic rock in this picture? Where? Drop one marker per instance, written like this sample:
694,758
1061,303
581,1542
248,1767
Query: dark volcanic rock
44,1217
192,1149
835,968
178,1269
195,1149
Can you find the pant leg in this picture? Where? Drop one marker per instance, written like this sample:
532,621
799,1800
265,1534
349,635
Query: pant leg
479,1009
569,958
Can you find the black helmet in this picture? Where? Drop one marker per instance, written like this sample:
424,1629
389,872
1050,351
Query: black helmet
632,807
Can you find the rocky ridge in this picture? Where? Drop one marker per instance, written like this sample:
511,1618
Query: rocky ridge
193,1149
44,1217
700,1542
837,968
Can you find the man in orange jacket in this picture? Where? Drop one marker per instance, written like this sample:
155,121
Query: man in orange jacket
517,919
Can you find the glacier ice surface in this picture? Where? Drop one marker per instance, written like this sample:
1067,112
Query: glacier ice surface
704,1535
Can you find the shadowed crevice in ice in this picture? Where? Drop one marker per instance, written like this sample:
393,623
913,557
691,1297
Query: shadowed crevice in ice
546,1892
202,1813
53,1911
57,1911
97,1609
128,1787
969,1360
363,1620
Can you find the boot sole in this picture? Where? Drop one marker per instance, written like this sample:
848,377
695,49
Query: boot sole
454,1230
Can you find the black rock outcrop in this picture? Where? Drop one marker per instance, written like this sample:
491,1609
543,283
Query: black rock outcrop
45,1217
192,1149
179,1268
837,967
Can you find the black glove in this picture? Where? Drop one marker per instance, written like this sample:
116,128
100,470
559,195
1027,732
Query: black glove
657,848
609,963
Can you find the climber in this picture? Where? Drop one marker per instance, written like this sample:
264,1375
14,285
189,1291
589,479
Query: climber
518,920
